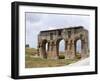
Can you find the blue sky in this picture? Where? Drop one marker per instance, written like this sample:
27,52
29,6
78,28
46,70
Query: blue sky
36,22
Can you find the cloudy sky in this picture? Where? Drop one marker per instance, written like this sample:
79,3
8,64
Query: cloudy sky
36,22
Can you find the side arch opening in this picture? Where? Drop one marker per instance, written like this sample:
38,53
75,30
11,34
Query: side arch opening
45,48
78,48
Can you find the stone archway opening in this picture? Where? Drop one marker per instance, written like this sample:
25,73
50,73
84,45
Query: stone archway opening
78,48
45,48
61,48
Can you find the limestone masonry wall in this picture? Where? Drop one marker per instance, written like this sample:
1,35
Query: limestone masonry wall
69,35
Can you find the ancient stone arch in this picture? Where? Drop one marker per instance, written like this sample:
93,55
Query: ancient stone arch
69,35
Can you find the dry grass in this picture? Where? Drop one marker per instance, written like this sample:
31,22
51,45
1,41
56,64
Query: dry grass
35,62
31,51
32,62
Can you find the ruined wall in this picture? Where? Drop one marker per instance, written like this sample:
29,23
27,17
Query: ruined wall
70,36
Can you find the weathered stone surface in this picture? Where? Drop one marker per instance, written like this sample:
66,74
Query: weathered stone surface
70,36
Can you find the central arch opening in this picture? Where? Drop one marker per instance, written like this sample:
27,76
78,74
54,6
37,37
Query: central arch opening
78,46
61,48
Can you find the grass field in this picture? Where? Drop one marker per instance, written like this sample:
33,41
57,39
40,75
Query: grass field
31,61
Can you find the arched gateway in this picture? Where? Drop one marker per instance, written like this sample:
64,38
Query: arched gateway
48,42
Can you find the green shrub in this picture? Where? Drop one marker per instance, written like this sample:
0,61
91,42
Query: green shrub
61,57
78,56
